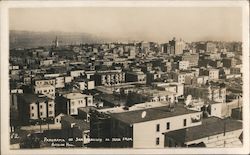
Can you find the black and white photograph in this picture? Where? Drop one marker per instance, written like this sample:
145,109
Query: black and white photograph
125,76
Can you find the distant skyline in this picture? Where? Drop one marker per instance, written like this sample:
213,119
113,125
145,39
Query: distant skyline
148,24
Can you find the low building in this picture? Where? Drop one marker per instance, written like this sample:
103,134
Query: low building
206,92
76,129
46,62
173,87
76,73
213,132
147,94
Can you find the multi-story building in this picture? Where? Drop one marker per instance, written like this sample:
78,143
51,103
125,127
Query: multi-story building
85,84
212,73
136,75
210,47
177,46
70,102
34,107
109,78
181,76
124,126
228,62
44,81
193,59
183,65
47,90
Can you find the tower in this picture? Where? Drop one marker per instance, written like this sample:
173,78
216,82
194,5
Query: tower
56,43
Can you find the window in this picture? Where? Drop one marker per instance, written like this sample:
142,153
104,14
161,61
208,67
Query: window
50,112
158,127
168,126
41,106
32,107
157,142
41,113
32,114
185,122
50,105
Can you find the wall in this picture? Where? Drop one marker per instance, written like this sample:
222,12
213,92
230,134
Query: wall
218,140
144,134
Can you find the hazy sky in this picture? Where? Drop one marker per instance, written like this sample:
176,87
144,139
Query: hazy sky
149,24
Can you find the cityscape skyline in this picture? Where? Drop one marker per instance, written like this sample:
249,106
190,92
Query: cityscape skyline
123,24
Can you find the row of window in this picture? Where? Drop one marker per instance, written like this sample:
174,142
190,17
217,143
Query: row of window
41,113
44,82
41,106
168,125
73,102
45,91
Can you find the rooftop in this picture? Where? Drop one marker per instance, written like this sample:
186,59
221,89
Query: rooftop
86,109
132,117
74,96
210,126
81,124
33,98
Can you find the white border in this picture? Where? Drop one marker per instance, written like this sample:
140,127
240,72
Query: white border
5,5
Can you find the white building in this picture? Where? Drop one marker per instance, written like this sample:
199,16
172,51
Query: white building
146,123
76,73
47,90
46,62
86,84
73,101
213,74
183,65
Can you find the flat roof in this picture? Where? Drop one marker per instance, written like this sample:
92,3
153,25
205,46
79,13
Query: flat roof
44,86
83,125
74,95
132,117
33,98
209,127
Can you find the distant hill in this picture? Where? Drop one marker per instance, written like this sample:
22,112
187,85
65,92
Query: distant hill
29,39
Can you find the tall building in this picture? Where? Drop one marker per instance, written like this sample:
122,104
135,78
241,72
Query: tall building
177,46
211,47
